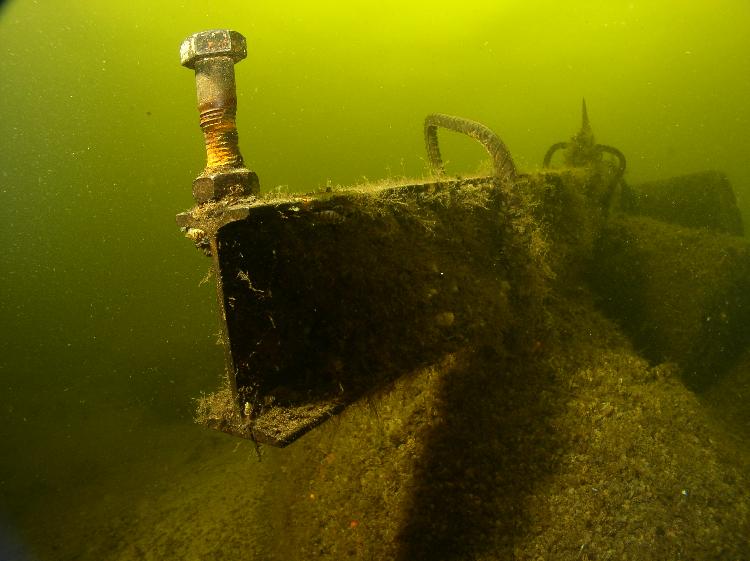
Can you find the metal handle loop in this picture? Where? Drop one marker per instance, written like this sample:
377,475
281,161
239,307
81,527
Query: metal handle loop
502,161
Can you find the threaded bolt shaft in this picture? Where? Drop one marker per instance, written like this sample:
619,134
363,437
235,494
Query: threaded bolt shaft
217,105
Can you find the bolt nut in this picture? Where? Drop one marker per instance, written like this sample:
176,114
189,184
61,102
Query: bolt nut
240,182
213,43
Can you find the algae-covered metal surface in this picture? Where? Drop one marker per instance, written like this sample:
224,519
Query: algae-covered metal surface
332,296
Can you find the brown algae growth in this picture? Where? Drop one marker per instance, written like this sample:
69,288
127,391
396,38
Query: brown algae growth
522,423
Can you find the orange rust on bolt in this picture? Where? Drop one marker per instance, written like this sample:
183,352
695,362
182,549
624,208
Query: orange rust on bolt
221,138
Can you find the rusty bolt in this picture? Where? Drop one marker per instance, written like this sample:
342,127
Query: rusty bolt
213,54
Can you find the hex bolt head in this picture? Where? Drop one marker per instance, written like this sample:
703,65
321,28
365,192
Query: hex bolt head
213,43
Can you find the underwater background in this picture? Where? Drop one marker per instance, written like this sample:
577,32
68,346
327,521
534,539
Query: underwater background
107,333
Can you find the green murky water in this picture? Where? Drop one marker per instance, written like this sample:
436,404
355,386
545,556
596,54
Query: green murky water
107,333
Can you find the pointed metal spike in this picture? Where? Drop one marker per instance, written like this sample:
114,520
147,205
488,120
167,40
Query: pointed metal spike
584,116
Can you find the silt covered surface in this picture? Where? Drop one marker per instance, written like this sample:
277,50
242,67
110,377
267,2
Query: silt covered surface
537,431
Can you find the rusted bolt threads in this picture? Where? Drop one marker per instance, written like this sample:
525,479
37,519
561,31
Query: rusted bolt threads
213,54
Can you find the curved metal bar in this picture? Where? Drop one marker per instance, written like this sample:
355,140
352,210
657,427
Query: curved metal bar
551,152
505,168
607,199
617,154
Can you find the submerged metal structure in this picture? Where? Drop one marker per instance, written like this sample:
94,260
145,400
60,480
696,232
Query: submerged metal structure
328,297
